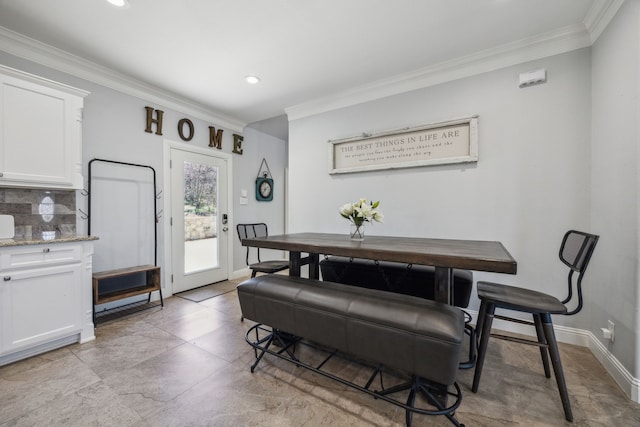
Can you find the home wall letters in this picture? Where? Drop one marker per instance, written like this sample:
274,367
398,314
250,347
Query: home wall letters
215,136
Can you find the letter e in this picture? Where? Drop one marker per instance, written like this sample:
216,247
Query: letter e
237,143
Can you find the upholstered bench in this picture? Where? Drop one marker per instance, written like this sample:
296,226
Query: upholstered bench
415,336
408,279
416,280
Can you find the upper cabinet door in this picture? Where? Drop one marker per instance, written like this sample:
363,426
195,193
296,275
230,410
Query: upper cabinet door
41,132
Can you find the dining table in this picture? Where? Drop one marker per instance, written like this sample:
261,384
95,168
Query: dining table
443,254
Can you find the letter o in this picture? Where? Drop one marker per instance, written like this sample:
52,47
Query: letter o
181,124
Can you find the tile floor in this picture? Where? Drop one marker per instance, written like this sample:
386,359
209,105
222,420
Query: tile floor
188,365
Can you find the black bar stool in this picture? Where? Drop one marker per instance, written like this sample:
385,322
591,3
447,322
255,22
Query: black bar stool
575,252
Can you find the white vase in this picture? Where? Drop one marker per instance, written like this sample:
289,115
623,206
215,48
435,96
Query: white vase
356,233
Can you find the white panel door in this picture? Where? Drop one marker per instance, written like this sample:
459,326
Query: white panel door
199,219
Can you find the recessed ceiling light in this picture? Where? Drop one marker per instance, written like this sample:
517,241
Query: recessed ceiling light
252,80
119,3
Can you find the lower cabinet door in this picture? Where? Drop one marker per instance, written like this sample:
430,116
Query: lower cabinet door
39,305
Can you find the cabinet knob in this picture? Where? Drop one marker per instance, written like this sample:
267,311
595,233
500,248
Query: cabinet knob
7,278
45,250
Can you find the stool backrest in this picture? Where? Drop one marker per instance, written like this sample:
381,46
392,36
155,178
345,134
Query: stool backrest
577,248
249,231
575,252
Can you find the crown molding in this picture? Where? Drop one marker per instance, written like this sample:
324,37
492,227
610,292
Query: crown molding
599,16
529,49
552,43
30,49
24,76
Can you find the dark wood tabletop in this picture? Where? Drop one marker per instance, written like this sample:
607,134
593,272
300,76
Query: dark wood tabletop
466,254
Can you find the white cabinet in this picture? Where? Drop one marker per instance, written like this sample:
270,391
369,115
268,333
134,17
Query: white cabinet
39,305
41,132
45,298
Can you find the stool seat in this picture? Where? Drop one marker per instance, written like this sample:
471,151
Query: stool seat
269,267
520,299
259,229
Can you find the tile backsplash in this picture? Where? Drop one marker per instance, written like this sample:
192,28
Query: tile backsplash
40,211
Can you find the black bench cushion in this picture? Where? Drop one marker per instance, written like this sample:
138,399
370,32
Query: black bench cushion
418,281
410,334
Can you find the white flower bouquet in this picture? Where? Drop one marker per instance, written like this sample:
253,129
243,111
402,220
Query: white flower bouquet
360,212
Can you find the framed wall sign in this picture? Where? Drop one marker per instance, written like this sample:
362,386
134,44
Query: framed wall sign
453,141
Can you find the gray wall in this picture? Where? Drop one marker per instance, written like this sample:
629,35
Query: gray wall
553,157
531,184
113,128
258,146
613,292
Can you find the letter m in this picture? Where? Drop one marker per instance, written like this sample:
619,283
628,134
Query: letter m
215,138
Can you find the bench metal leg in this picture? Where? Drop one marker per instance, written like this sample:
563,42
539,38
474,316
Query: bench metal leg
161,300
262,352
435,394
411,402
473,343
285,340
436,400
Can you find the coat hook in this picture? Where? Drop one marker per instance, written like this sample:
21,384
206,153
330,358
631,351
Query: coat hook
83,214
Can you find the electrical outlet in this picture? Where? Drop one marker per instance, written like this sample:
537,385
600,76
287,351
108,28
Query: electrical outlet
609,333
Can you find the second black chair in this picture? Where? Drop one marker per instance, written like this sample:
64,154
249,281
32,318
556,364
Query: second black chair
249,231
575,252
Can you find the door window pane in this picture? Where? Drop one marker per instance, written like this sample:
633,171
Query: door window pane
200,217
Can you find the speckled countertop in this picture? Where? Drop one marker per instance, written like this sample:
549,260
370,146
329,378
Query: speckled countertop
39,241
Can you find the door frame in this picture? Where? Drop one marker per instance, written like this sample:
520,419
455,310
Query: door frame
168,257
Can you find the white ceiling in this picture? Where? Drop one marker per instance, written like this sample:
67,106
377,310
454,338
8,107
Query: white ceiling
200,51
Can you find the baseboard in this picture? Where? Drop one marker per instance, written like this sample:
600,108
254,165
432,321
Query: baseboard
239,274
39,349
245,273
627,382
